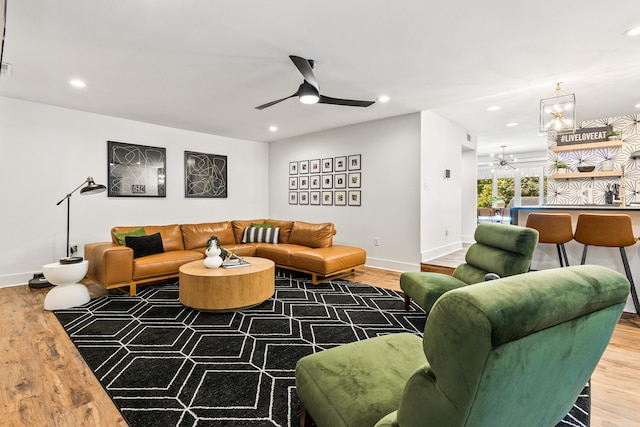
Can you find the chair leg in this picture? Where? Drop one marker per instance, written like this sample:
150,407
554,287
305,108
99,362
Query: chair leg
407,302
584,254
627,270
564,254
305,418
559,254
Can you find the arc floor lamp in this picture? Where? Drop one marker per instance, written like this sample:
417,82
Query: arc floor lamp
90,188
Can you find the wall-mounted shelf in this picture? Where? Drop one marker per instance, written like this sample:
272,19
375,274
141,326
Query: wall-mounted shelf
574,175
587,146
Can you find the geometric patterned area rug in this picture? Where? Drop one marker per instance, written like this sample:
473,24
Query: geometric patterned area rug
164,364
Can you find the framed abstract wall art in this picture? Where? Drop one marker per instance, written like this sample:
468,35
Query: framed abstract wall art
136,170
205,175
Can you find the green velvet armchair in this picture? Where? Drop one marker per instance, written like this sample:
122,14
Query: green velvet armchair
500,248
510,352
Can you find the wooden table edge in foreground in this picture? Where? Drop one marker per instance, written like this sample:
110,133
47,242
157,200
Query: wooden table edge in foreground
226,289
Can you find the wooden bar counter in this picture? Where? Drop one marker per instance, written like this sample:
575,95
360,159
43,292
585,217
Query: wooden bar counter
546,255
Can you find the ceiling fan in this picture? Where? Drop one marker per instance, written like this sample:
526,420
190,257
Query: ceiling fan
309,91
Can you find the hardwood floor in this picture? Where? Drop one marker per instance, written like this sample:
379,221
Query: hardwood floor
45,382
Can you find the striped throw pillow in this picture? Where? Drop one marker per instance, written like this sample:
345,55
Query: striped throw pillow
260,234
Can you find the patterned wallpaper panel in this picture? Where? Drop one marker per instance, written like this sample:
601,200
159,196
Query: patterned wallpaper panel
573,191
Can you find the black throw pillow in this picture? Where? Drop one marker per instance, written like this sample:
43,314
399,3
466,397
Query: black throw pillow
145,245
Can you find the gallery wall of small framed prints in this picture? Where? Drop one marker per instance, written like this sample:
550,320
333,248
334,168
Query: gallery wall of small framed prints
331,181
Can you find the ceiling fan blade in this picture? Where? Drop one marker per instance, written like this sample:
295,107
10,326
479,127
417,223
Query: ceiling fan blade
269,104
305,69
347,102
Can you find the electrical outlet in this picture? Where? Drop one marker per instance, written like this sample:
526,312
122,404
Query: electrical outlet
376,241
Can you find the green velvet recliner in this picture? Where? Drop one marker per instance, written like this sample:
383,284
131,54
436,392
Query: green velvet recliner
510,352
500,248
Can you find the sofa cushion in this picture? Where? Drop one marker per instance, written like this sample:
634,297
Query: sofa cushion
326,261
163,264
243,249
280,253
312,235
261,234
239,225
285,228
122,234
171,235
145,245
196,235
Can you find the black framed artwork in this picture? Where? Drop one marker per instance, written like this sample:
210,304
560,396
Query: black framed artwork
314,197
327,182
314,182
293,168
354,162
354,198
303,198
327,198
136,170
327,165
340,198
293,197
303,183
340,164
340,180
303,166
354,180
205,175
293,183
314,166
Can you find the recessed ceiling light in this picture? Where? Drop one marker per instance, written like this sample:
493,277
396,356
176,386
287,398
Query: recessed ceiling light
77,83
493,108
632,32
273,128
511,125
383,98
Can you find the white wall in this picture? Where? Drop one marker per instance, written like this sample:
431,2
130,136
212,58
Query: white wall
46,152
390,187
441,198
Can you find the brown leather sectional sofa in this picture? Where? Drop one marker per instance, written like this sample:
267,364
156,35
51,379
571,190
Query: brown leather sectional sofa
301,246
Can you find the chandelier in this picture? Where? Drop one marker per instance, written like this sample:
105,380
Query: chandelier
502,161
558,113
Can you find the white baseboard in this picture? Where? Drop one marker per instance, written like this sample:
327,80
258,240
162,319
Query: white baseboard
441,251
15,279
392,265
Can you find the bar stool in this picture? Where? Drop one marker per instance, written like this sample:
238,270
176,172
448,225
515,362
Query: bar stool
608,231
553,228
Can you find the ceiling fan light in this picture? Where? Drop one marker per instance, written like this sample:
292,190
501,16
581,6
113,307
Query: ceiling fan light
309,99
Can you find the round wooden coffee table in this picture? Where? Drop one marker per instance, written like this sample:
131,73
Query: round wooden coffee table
226,289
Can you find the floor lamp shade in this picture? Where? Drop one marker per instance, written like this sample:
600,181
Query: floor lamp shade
90,188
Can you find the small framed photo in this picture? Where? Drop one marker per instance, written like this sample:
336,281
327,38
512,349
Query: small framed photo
327,182
314,166
293,183
303,183
354,162
293,168
303,198
293,197
314,182
303,166
327,165
354,180
327,198
340,164
315,197
354,198
340,180
340,198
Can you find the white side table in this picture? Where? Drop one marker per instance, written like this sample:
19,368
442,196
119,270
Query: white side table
68,292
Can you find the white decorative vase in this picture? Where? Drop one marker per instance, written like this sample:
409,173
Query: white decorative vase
213,259
606,165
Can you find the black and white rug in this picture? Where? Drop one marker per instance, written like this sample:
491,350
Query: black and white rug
164,364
